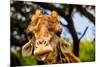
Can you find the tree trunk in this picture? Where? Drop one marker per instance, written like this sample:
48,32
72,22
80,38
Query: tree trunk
75,37
73,32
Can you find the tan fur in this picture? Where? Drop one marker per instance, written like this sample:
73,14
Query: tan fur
46,42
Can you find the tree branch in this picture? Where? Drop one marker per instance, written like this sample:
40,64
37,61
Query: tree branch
85,13
63,24
83,33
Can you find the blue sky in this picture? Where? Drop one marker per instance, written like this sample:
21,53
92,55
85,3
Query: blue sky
80,23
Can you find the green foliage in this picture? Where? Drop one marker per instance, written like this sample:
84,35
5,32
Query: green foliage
87,51
28,60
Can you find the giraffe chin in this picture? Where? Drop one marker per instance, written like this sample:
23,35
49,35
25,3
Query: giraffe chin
41,58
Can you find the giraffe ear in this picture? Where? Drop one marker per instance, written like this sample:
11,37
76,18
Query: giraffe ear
27,49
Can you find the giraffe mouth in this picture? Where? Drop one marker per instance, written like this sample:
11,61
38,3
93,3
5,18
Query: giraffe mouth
41,57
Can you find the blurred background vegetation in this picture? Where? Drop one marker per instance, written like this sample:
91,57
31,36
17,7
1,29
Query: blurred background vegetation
82,46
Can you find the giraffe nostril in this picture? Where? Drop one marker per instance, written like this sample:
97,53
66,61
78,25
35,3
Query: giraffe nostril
40,42
44,42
